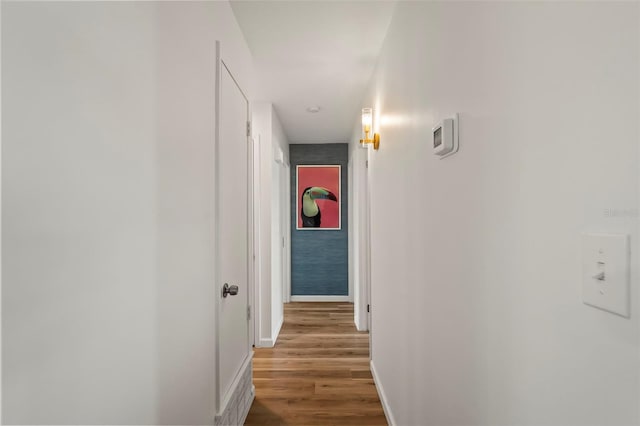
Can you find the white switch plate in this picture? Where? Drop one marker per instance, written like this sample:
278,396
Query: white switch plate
606,256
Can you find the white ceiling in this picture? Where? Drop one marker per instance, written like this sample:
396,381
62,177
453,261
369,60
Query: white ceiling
310,53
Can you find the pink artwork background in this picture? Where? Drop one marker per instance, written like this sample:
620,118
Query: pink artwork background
327,177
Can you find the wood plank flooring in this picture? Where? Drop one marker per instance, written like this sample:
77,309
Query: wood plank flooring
318,372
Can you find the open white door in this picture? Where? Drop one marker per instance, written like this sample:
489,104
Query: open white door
233,242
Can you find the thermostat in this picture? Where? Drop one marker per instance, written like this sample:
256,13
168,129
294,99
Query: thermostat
445,137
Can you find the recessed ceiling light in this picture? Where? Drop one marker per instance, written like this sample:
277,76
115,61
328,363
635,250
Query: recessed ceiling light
313,109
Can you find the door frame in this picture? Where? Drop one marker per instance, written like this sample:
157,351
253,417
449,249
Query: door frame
367,250
361,244
277,188
222,400
256,171
285,192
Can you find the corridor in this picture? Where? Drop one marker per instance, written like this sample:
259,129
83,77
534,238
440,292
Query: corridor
317,373
345,212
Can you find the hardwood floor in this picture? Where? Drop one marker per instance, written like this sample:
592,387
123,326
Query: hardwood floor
318,372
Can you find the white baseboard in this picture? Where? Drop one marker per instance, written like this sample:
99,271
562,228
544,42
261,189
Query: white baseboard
266,343
359,326
321,299
383,397
271,341
277,333
361,320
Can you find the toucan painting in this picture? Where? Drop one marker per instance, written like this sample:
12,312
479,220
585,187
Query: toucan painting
318,197
310,212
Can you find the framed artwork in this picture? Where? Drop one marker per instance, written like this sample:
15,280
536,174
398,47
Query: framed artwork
318,198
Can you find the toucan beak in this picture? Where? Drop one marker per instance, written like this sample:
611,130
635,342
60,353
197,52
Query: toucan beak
319,193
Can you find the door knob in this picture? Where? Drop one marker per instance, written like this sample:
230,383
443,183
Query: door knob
229,290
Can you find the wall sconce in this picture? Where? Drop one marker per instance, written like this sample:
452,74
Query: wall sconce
367,122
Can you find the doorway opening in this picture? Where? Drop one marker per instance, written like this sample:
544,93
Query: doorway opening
296,262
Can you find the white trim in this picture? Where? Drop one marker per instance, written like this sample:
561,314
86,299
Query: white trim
365,290
360,242
251,222
286,291
271,341
277,333
266,343
383,396
1,375
216,210
257,252
350,234
352,244
321,298
368,221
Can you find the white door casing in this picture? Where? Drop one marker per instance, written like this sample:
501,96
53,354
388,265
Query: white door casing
252,239
367,249
286,234
257,232
276,231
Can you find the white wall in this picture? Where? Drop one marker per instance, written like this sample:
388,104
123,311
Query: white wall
280,202
476,292
354,167
107,193
358,241
268,132
262,211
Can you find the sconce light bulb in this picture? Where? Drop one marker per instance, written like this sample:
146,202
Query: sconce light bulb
367,117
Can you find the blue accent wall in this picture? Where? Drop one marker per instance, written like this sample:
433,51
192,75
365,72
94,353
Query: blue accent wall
320,259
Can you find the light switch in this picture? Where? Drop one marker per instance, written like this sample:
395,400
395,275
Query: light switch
605,272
